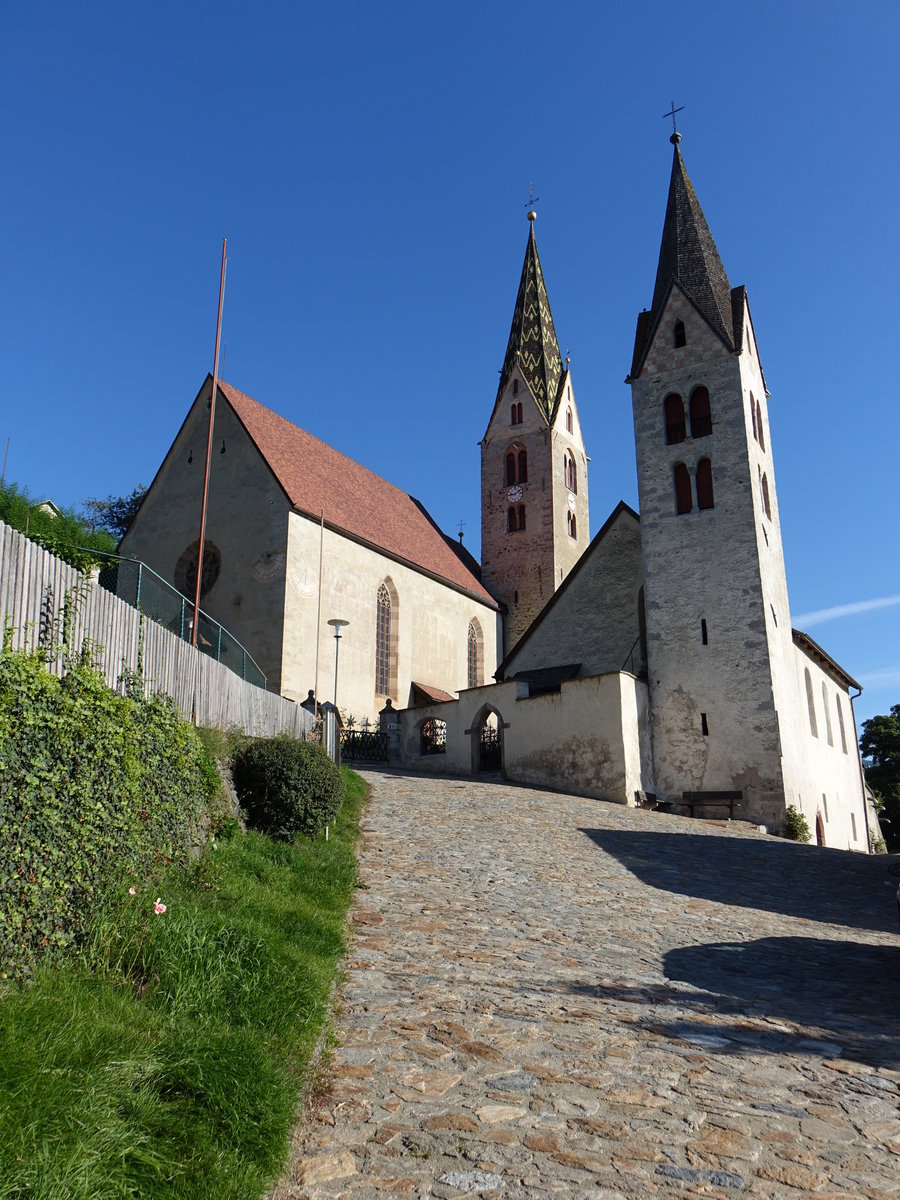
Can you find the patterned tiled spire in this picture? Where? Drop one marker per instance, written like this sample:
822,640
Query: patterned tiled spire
532,337
689,256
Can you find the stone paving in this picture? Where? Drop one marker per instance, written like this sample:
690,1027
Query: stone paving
552,996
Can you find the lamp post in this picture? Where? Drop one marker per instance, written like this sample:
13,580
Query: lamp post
337,624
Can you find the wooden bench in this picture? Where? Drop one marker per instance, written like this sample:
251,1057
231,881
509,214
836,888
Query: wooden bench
694,800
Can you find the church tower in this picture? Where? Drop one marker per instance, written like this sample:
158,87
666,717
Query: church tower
534,496
718,628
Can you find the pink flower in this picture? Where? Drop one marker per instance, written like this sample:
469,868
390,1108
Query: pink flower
131,891
159,907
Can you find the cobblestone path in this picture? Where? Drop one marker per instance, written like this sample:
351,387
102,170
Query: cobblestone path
552,996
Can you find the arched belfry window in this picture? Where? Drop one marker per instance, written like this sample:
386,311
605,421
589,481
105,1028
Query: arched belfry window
521,516
679,335
516,465
510,468
701,418
386,640
571,524
570,472
810,703
511,523
705,498
675,427
474,654
523,466
683,499
767,508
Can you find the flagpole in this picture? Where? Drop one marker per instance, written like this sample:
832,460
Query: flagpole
209,442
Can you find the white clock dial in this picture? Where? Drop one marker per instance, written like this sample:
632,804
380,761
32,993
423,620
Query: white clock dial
514,494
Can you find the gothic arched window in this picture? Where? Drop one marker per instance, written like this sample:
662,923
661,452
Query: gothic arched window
510,468
828,732
571,524
753,415
521,516
837,703
675,428
765,497
523,466
810,703
570,471
680,337
705,497
474,655
683,499
701,418
383,641
569,422
511,524
761,437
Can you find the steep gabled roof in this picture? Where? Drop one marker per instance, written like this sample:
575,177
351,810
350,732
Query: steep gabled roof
318,479
824,659
532,341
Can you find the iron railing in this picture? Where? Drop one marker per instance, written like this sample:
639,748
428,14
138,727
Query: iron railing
140,586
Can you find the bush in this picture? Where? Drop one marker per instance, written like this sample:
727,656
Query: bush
287,787
795,826
93,785
65,535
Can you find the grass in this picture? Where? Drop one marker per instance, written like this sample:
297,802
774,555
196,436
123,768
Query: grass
169,1061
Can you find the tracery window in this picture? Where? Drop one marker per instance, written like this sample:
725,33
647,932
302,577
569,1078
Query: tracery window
675,427
474,655
701,418
683,499
705,498
383,647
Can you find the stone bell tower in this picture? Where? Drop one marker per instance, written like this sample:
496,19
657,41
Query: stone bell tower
719,643
534,496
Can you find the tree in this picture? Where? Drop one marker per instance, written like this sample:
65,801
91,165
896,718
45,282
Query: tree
879,745
64,533
115,513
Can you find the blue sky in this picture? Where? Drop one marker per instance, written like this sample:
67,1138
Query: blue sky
370,165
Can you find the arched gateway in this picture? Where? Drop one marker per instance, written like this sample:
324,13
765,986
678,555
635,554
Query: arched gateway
487,740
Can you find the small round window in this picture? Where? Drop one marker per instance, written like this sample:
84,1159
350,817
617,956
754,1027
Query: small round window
186,569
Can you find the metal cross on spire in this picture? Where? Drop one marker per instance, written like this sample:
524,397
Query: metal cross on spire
532,201
671,113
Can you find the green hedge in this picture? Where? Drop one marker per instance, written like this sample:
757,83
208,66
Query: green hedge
94,786
287,787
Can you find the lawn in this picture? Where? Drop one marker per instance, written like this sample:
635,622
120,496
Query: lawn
169,1061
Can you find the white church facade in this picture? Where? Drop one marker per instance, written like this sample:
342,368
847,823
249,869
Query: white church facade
655,664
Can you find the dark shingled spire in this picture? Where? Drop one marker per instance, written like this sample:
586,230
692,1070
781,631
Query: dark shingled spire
532,337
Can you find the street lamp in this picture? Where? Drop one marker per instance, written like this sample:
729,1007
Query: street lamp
337,624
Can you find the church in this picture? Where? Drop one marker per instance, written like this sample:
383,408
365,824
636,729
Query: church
655,664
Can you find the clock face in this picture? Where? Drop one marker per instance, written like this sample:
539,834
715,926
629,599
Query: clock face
571,502
514,494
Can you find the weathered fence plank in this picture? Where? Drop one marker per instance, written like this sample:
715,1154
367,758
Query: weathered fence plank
34,588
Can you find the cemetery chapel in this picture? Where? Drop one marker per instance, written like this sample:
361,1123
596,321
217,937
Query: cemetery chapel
656,662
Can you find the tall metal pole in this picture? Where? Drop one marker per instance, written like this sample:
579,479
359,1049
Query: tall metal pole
209,442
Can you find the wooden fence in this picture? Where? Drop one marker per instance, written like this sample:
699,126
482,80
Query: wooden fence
36,587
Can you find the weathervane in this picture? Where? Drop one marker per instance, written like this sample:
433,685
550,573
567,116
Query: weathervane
676,136
532,201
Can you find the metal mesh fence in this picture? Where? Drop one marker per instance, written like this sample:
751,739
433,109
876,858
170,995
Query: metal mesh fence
136,584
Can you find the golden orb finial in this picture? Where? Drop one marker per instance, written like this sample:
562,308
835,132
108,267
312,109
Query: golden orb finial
532,215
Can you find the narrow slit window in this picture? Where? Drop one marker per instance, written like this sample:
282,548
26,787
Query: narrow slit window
704,636
767,508
568,420
515,387
680,337
674,412
753,416
704,725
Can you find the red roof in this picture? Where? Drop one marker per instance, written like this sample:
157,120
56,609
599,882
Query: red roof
355,500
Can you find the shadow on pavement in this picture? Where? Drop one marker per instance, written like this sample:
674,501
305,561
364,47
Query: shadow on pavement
846,992
812,882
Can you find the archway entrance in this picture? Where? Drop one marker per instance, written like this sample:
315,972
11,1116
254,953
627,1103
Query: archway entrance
820,830
487,741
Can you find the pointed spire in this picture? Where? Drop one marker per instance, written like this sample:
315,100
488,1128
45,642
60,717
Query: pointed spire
688,255
533,344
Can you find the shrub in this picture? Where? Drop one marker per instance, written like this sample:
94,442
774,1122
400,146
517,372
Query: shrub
287,787
795,826
93,785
